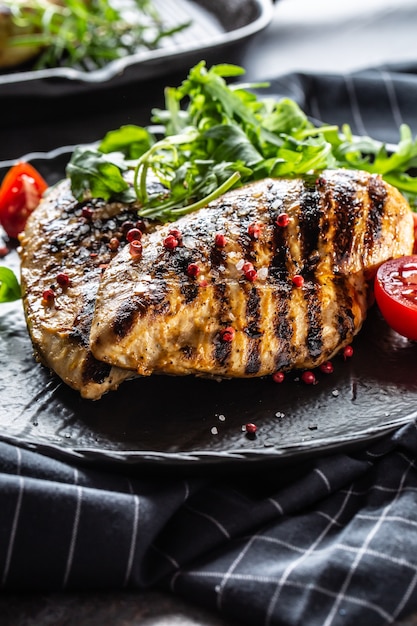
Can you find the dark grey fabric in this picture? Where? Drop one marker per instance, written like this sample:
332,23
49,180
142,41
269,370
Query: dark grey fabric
331,542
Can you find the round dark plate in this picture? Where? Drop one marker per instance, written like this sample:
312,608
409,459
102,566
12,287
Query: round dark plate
186,421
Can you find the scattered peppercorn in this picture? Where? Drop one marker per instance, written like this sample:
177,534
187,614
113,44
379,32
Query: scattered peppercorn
177,234
278,377
326,367
87,212
170,242
254,230
193,270
134,234
114,244
48,296
347,352
251,428
249,271
220,240
298,280
227,334
308,377
135,249
63,279
283,220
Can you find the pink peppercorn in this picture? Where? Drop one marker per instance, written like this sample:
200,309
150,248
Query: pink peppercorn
220,240
308,378
326,367
135,249
134,234
170,242
298,280
193,270
63,279
254,230
347,352
227,334
283,220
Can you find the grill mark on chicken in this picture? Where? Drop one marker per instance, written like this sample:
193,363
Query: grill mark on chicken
253,315
377,197
347,210
309,219
314,339
221,349
94,370
283,329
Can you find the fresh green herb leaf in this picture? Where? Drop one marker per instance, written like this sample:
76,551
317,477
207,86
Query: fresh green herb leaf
86,35
211,131
9,286
99,175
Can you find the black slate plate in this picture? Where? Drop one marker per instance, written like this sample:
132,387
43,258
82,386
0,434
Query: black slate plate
188,422
218,28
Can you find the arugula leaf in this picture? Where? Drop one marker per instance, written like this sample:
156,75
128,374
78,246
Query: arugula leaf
9,286
95,174
211,131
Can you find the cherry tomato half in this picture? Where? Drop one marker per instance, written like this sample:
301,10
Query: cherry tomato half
396,294
20,192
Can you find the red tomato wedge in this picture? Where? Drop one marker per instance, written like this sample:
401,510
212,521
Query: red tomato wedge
20,193
396,294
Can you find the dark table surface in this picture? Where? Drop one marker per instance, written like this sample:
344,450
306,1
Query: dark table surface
320,36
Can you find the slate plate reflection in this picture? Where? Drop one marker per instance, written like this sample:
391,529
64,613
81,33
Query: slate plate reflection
186,421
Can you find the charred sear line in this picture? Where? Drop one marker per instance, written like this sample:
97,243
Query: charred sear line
314,321
310,216
283,330
94,371
217,257
189,292
188,352
280,254
377,194
138,306
221,349
347,210
80,333
345,318
253,316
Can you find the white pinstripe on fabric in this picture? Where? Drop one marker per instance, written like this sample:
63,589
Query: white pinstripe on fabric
132,540
298,585
396,113
354,105
361,553
15,517
292,566
74,533
212,519
227,575
13,531
324,479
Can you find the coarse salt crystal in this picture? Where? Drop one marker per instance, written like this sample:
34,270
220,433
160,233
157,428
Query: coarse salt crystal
262,273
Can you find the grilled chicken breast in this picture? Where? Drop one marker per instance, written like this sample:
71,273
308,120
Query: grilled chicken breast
64,249
272,276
